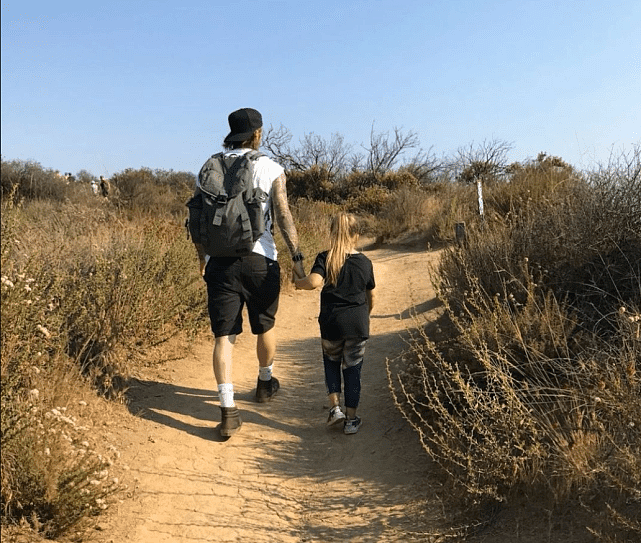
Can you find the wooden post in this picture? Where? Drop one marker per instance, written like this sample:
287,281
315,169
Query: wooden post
459,230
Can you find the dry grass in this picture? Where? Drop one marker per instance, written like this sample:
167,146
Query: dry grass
86,291
533,381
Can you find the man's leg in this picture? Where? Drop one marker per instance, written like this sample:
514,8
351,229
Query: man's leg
266,348
223,351
267,385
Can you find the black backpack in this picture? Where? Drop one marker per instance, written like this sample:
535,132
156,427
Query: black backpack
225,214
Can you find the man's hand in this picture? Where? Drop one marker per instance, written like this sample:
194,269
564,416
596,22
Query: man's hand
201,257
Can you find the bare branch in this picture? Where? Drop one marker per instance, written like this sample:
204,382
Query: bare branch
486,161
383,153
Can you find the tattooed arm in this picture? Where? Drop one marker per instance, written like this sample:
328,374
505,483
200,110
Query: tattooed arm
285,221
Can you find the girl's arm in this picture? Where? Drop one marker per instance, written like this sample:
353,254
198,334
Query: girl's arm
370,299
312,281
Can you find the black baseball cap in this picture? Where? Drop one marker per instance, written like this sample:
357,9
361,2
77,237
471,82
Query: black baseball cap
243,123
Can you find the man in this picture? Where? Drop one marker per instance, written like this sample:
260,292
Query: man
253,280
104,187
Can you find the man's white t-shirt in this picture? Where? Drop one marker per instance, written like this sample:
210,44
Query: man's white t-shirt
266,171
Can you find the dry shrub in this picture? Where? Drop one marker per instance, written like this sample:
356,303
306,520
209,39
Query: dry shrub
534,384
397,180
158,192
30,181
536,181
512,417
85,291
316,183
370,200
54,474
431,213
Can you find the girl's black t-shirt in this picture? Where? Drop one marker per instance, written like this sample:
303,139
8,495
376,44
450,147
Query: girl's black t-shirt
344,311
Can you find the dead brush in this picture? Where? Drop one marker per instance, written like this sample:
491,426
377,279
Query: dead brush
410,209
536,385
54,475
82,294
53,472
529,412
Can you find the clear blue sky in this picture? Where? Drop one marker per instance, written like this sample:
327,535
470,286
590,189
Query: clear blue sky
105,86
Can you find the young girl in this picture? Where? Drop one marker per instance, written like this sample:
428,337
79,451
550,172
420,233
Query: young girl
346,302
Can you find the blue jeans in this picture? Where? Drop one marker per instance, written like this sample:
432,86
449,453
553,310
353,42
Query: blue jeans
344,356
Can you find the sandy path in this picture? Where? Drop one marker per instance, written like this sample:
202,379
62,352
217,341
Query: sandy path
284,477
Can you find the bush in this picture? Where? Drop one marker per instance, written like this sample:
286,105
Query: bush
85,292
155,192
30,181
315,183
534,380
53,472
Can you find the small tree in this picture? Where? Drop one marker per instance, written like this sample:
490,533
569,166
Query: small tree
383,153
83,176
333,155
484,162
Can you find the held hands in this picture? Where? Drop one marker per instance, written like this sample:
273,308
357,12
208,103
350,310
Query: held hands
298,272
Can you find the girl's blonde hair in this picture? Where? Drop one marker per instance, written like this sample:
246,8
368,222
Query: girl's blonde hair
343,237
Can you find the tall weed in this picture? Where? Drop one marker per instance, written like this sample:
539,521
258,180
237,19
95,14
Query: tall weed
54,474
86,291
534,380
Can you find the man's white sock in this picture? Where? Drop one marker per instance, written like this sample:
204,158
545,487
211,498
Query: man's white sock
265,373
226,395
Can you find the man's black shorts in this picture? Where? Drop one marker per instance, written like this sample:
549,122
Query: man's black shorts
232,282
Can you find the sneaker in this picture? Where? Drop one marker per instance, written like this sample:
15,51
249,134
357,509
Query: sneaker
352,425
230,421
335,415
266,390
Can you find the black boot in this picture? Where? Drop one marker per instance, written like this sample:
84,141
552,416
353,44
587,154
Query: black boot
266,390
230,421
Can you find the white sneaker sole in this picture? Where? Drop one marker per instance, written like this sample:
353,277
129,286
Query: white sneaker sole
336,420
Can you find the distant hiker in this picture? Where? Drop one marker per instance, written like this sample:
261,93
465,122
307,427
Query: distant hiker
94,186
346,301
254,277
104,187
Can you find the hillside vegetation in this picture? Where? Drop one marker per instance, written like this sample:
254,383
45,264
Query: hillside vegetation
528,383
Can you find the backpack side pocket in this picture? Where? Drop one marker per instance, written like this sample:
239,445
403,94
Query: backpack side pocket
257,218
197,218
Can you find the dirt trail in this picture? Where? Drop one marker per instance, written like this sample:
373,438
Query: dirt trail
285,477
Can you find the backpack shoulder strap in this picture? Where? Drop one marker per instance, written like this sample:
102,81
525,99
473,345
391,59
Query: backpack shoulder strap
254,155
